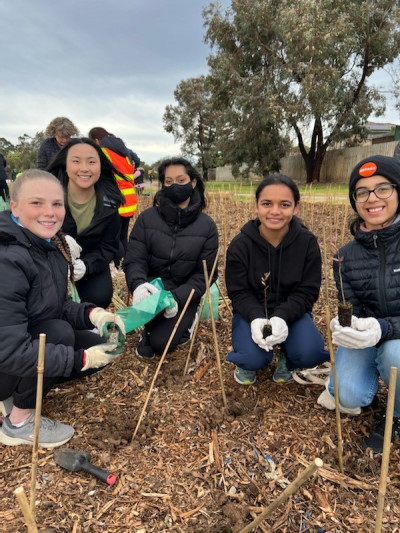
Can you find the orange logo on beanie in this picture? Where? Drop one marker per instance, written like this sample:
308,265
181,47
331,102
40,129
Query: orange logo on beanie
367,170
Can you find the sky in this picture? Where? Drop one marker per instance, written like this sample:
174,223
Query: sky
109,63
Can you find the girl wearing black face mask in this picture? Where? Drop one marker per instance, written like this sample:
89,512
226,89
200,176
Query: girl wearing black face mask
170,240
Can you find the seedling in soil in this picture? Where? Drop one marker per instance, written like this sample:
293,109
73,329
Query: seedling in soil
345,309
267,329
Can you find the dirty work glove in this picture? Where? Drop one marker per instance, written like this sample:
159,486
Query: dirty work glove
334,325
279,331
143,291
256,327
74,247
171,311
79,269
366,333
99,355
105,322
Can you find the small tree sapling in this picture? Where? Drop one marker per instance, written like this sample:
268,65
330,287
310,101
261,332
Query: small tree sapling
345,308
267,329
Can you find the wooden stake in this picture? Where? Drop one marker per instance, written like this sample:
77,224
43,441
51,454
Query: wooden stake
215,335
290,489
336,391
26,510
386,448
196,327
160,363
38,411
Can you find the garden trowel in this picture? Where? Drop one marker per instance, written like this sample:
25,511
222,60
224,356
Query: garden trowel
75,461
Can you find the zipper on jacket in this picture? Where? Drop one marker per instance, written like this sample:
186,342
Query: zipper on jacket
174,232
381,276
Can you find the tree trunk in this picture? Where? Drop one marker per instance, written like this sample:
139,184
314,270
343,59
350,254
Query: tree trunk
313,162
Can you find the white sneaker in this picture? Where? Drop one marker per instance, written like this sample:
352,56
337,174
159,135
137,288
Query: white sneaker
328,401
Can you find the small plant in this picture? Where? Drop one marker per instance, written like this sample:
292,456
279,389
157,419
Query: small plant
345,309
267,329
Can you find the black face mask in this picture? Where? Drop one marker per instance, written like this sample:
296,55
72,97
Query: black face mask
178,193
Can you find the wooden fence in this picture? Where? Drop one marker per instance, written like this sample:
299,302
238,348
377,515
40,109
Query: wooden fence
336,166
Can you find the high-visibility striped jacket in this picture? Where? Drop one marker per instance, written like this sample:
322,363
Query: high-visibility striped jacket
117,153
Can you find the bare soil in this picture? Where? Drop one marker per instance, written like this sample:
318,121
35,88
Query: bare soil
195,466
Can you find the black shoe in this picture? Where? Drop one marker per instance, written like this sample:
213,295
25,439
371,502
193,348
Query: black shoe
144,348
376,435
185,338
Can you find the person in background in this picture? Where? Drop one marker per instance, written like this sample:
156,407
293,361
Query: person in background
273,278
34,260
92,218
139,181
58,133
150,175
369,272
117,153
4,192
170,240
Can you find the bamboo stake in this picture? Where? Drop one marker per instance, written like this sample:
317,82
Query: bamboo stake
26,510
290,489
224,299
160,363
386,448
336,392
196,327
38,411
215,335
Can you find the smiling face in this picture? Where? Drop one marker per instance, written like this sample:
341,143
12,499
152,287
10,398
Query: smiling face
83,168
375,212
275,209
39,207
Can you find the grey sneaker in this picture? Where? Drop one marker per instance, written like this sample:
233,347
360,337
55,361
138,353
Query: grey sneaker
51,434
282,374
244,377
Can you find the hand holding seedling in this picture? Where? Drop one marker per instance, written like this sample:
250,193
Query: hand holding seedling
363,333
108,324
345,308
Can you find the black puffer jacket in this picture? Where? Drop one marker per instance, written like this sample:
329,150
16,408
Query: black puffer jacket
47,152
371,276
171,243
100,240
294,267
33,288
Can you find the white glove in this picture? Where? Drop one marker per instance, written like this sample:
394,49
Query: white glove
79,269
257,326
366,333
104,320
74,247
99,355
170,312
279,331
143,291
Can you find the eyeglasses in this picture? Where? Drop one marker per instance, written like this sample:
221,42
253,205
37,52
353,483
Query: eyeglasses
382,191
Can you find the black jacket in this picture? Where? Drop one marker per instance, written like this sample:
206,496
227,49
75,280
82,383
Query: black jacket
294,267
47,152
100,240
33,288
370,272
171,243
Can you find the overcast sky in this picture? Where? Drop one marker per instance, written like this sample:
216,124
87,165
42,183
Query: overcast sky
109,63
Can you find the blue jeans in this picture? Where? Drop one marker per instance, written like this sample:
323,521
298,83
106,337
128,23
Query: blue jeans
358,373
304,346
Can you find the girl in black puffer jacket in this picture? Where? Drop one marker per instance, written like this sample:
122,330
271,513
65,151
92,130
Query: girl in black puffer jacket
369,271
170,241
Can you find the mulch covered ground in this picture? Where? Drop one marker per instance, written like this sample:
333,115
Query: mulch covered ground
194,466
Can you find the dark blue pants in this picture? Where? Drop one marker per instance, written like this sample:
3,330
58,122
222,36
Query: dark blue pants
23,390
304,346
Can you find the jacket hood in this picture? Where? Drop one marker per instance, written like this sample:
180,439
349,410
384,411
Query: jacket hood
251,230
115,144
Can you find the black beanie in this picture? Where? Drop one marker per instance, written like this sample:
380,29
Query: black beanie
376,165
